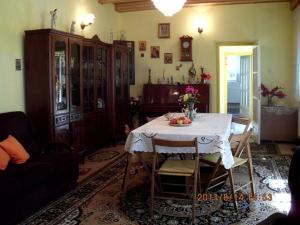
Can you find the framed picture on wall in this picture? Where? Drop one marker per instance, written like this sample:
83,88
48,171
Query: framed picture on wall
168,58
155,52
164,30
142,46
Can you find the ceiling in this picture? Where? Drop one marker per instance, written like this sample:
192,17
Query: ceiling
140,5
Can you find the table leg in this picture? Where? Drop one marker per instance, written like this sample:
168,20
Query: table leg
126,177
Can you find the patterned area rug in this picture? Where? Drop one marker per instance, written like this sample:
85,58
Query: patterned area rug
96,201
264,148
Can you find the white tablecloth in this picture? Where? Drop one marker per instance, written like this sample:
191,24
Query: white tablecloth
211,129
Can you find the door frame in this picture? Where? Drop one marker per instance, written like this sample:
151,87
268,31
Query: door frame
218,83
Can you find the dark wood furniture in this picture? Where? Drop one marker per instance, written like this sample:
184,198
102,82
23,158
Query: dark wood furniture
279,123
53,90
96,69
162,98
131,59
119,85
77,89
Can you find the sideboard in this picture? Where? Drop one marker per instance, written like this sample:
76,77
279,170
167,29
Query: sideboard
279,123
162,98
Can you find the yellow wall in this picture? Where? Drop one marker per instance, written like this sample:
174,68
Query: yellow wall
20,15
296,52
268,24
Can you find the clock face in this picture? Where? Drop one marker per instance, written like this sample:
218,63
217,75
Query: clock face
185,44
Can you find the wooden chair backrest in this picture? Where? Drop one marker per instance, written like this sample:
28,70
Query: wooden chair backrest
174,144
244,144
242,120
171,143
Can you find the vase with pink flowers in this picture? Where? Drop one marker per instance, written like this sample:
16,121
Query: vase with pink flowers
270,94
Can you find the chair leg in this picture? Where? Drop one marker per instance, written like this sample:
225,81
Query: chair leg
199,184
250,170
212,177
232,189
152,199
194,197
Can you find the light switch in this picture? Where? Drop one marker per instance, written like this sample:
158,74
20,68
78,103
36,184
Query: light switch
18,65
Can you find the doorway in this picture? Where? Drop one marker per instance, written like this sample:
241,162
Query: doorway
239,82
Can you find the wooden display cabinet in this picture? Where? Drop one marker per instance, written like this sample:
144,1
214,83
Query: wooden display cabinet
131,58
53,90
120,111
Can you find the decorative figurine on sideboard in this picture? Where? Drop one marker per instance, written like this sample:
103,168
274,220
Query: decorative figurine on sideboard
53,14
192,74
72,28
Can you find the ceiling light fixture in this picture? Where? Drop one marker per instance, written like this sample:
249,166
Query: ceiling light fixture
167,7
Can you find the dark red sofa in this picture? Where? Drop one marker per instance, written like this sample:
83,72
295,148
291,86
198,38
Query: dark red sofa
51,170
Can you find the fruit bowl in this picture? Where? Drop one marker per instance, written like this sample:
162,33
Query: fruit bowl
181,121
180,125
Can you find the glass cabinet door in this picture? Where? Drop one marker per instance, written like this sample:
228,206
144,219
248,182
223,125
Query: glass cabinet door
61,101
74,68
118,73
126,67
101,77
88,79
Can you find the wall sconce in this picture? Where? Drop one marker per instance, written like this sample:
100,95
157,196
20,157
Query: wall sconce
200,30
88,20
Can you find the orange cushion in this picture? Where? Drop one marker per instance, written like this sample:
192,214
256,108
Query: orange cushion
15,150
4,159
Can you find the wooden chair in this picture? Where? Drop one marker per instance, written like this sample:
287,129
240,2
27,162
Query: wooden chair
236,138
215,160
246,121
173,167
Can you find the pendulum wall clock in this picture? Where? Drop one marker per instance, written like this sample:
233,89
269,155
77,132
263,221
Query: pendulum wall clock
186,48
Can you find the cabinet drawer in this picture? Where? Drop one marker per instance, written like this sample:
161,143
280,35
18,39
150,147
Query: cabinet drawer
75,117
62,119
62,134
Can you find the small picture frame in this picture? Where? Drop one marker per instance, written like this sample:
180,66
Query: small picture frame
164,30
155,52
168,58
142,46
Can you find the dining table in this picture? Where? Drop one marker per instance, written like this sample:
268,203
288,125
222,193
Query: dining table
212,131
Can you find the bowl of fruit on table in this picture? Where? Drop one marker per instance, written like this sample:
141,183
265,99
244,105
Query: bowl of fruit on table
181,121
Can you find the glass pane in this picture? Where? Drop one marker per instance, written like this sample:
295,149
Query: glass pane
75,76
126,77
118,73
60,76
88,79
101,65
